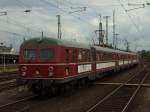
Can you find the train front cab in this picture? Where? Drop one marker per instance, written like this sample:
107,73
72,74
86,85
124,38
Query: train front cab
56,64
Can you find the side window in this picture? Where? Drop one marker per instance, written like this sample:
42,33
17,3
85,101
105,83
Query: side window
89,56
114,56
93,54
84,55
102,56
79,56
73,55
67,55
119,56
98,56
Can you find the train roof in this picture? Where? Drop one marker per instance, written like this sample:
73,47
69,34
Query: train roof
53,41
113,50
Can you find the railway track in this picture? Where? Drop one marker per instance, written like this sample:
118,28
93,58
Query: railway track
120,98
7,84
8,76
20,105
8,80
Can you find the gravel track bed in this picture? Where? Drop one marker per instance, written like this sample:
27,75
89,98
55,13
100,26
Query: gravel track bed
9,96
79,101
142,101
147,81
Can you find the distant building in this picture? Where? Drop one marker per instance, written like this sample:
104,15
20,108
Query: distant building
8,55
7,50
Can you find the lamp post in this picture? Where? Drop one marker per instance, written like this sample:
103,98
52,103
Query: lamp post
2,13
3,56
4,64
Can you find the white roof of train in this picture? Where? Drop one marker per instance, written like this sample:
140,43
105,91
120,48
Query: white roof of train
112,50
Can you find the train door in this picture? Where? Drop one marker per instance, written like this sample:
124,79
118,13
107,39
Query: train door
70,60
71,55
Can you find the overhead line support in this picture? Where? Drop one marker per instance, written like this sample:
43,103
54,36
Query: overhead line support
106,17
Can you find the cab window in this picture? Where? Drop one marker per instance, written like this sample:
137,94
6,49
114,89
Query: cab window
46,54
29,54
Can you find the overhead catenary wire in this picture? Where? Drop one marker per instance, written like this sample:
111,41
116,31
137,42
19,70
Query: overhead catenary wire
21,4
28,29
74,15
11,38
18,24
57,8
66,12
14,33
132,21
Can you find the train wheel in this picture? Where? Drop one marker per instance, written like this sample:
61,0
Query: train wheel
73,86
65,89
82,82
53,90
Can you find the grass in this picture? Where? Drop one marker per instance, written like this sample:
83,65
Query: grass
9,68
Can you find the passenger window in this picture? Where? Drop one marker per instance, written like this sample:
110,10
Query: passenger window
89,56
80,56
73,56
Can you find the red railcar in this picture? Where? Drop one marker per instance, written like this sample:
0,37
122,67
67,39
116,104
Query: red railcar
48,62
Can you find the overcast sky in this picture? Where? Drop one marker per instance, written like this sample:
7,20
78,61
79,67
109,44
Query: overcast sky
79,26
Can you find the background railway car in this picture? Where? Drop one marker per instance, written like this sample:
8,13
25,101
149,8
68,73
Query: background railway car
49,64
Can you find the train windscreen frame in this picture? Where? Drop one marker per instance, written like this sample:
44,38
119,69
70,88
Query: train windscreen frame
30,54
46,54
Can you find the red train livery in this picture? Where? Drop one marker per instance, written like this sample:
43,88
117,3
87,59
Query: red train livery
47,62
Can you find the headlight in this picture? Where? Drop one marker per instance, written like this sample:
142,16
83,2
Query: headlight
23,74
37,72
23,68
50,68
67,71
50,74
50,71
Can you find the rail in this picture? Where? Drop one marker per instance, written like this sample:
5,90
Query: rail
120,98
8,106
